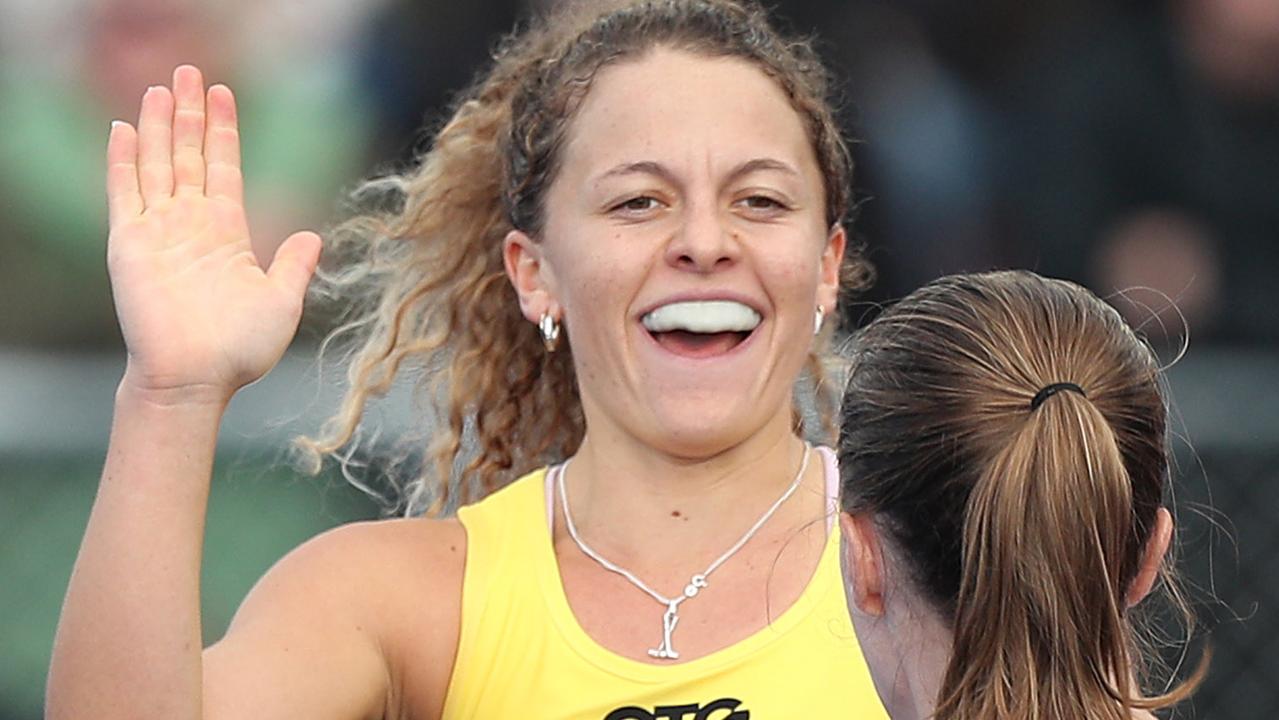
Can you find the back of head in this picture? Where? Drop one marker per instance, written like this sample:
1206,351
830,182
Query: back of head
1007,432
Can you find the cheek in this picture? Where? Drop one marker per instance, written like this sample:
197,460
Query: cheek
597,279
596,273
790,253
790,275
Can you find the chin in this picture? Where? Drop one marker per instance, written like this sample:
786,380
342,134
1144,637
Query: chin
700,430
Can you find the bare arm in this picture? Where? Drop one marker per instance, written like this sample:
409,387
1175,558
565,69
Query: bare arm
131,624
200,318
361,621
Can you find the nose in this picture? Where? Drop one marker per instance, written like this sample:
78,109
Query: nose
703,242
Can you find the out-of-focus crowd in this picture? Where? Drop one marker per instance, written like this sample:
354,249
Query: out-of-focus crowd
1125,144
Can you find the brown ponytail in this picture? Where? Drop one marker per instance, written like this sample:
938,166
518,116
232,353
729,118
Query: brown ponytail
420,270
1053,508
1024,525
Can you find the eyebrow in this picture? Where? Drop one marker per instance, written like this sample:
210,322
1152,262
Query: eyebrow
644,167
650,167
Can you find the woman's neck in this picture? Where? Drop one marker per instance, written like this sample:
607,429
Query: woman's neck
916,645
921,645
679,505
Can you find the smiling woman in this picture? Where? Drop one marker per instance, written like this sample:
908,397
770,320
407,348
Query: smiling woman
755,106
617,257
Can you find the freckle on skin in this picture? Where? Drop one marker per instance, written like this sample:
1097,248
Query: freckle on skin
676,513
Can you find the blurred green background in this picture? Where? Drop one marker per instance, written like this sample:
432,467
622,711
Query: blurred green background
257,513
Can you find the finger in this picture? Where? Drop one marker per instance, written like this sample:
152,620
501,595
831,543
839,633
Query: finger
223,177
188,129
124,198
155,145
294,263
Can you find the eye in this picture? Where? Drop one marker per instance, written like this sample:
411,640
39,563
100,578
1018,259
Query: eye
638,205
636,209
762,202
766,205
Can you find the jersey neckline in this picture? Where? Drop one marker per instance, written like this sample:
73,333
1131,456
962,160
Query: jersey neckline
566,624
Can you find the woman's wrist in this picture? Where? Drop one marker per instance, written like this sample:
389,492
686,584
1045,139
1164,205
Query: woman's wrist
142,393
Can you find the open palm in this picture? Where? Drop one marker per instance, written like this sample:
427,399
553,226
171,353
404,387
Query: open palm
197,311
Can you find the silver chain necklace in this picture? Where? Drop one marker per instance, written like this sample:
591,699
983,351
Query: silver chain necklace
666,651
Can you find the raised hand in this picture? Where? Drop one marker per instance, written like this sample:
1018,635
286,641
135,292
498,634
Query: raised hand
200,316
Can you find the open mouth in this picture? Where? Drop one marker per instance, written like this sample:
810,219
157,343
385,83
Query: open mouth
699,345
701,329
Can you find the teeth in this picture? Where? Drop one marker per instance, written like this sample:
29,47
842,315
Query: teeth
707,316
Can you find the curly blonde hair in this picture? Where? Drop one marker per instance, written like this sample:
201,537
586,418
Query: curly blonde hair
419,267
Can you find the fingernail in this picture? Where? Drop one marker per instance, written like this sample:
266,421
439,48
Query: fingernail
116,123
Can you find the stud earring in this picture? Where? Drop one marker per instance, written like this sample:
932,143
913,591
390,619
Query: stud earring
817,320
550,329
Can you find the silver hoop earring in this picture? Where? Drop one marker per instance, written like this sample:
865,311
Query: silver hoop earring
817,320
550,329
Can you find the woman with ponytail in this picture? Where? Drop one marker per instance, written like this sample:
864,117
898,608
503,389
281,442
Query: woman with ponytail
615,268
1004,464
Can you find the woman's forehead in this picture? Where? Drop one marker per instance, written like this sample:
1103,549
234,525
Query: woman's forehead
685,110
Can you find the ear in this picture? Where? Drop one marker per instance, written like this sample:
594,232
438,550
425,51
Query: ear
863,563
529,275
1152,558
832,262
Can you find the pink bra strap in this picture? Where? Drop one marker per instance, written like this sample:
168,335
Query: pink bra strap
550,494
830,467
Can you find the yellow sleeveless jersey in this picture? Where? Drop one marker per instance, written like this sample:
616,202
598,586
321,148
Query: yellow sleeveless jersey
521,653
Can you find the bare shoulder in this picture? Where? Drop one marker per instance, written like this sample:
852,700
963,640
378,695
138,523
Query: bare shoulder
392,554
374,569
333,629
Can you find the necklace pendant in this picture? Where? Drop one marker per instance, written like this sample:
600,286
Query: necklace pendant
694,586
670,618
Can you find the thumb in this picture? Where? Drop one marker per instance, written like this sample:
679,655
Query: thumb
295,262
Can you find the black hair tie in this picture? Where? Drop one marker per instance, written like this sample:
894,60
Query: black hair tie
1050,390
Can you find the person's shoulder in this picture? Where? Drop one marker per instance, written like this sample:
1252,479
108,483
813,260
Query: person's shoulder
395,556
394,536
369,573
377,596
373,598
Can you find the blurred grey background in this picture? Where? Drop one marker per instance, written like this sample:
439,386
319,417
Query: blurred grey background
1124,144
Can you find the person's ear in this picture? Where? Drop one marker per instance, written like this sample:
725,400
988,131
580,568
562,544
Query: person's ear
1152,558
831,264
863,562
529,275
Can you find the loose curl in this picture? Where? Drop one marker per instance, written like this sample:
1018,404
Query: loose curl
421,272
